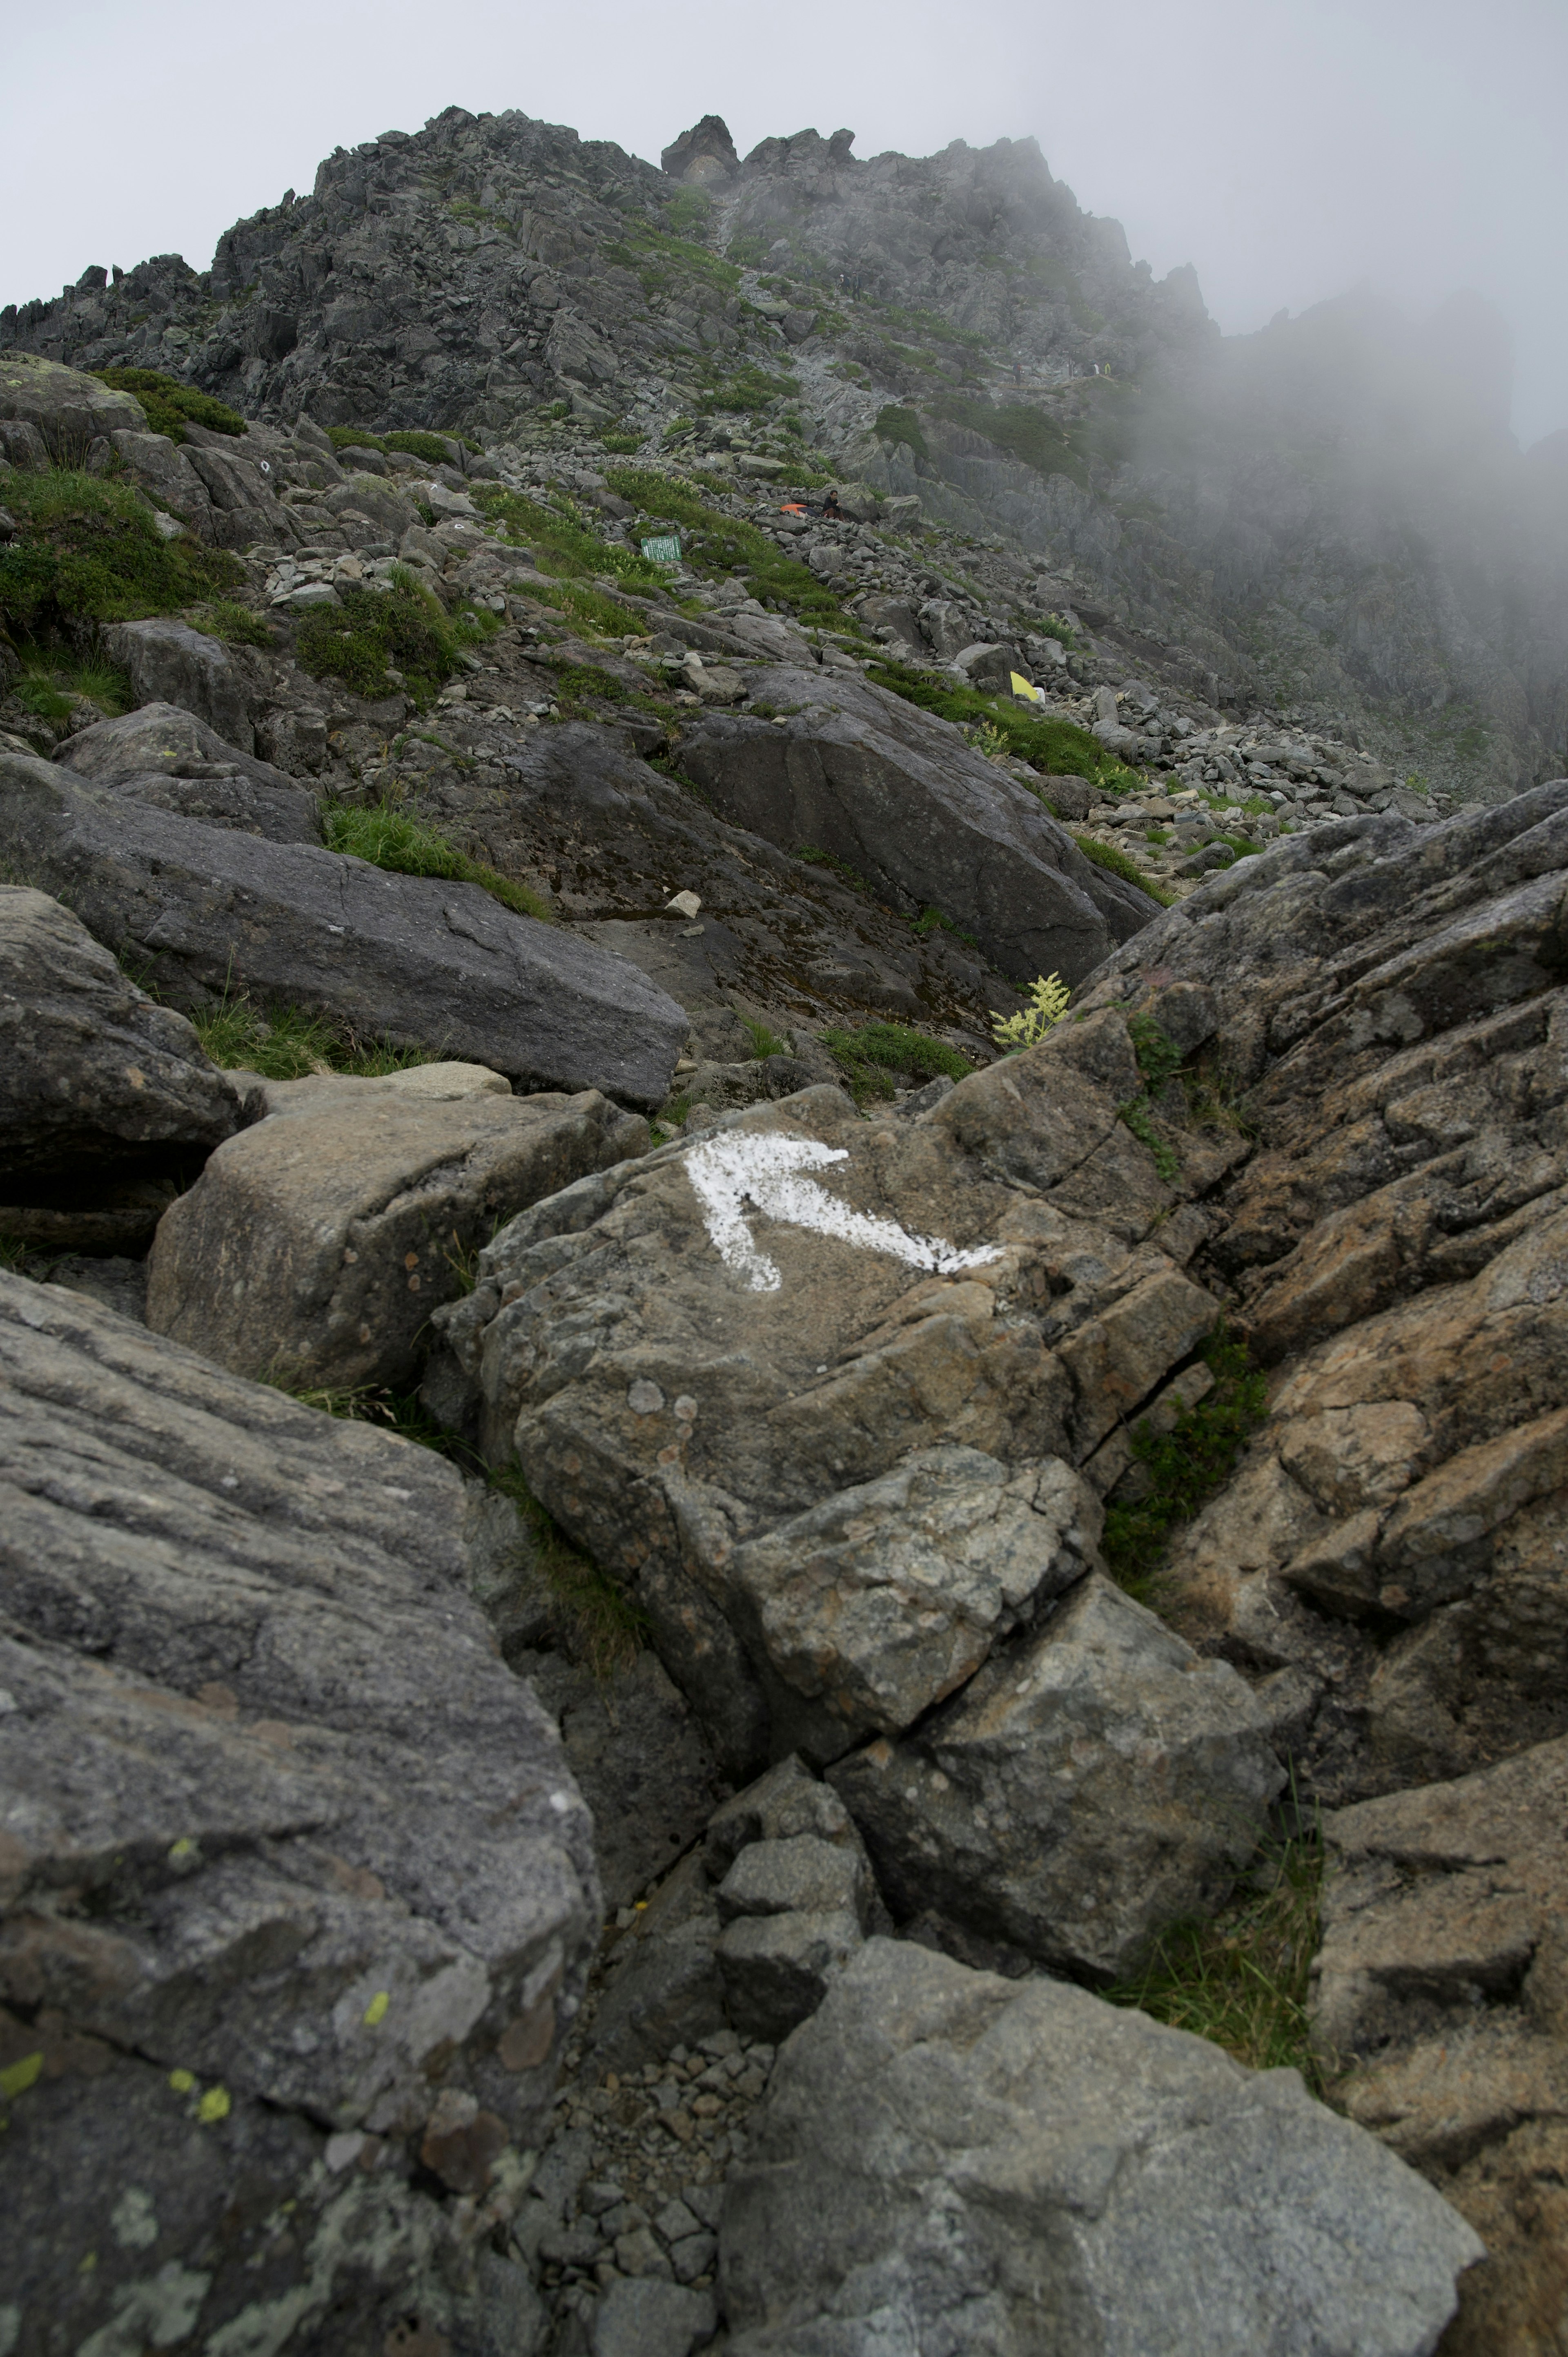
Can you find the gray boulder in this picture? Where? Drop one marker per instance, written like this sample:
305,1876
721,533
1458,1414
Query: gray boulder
94,1077
298,1893
318,1241
65,408
1086,1788
902,798
169,663
366,495
168,758
420,962
950,2160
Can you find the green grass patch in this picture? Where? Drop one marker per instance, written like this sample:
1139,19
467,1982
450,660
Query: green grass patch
814,857
402,626
237,625
661,258
876,1055
400,1411
582,681
1187,1465
931,920
1135,1113
717,543
764,1042
595,606
433,448
87,550
561,542
355,437
603,1623
1055,748
896,425
170,406
621,443
1242,1980
284,1042
392,838
1118,863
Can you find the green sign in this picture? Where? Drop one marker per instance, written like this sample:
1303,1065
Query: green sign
663,549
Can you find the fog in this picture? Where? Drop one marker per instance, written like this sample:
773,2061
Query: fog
1287,148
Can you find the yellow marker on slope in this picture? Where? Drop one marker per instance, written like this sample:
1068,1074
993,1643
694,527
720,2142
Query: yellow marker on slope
376,2011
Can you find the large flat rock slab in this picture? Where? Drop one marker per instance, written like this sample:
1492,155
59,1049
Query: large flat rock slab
436,965
318,1246
947,2159
297,1892
902,798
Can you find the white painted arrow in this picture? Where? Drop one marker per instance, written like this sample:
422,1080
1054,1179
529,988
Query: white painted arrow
728,1172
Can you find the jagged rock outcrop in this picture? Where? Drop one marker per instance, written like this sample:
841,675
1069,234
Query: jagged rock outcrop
1440,2013
951,330
299,1894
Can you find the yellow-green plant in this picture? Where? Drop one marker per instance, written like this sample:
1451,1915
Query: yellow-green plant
1047,1005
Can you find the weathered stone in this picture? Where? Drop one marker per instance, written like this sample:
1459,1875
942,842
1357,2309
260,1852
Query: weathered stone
420,962
902,799
1090,1784
315,1246
68,410
1440,2013
170,759
948,2160
773,1878
778,1968
291,1834
94,1077
651,2318
917,1576
833,1490
169,663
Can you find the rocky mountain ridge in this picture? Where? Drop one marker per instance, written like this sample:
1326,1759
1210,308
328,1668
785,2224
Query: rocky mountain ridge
1328,521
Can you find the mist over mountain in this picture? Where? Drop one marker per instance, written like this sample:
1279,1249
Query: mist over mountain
1329,518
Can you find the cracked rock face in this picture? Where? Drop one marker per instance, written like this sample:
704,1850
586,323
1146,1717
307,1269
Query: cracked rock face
1440,2013
828,1430
298,1892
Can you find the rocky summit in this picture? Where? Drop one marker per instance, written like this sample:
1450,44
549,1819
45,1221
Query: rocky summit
783,1285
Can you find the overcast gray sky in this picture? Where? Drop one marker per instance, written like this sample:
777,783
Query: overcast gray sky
1287,148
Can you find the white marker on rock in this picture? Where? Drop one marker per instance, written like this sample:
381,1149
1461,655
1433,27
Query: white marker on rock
732,1170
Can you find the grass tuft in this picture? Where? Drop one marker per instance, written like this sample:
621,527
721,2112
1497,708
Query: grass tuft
602,1622
1187,1465
878,1055
363,1404
764,1042
1241,1981
394,839
284,1042
1117,863
237,625
402,626
170,406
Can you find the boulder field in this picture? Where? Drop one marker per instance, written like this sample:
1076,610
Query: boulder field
654,1576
